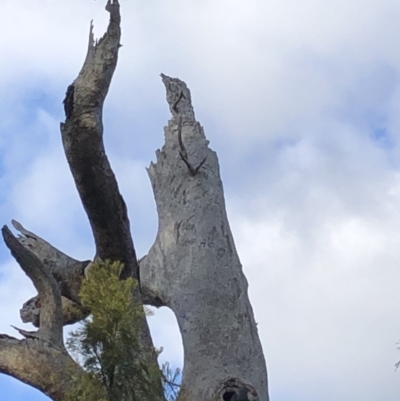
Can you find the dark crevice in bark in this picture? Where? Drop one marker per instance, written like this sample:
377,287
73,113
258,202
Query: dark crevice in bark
69,102
235,390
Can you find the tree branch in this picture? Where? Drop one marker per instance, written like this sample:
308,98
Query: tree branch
67,272
40,360
63,267
82,135
51,325
151,294
39,364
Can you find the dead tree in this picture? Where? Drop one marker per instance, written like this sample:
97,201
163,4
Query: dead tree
192,267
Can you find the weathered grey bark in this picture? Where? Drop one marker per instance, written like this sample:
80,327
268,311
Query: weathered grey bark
192,267
38,364
40,359
67,272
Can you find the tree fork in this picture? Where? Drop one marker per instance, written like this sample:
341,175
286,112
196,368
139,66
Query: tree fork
192,267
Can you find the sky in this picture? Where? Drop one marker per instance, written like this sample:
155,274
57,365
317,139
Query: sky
301,101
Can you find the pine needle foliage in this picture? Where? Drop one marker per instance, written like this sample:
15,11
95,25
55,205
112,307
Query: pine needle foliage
107,343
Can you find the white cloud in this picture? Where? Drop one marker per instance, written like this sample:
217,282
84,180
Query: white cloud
327,295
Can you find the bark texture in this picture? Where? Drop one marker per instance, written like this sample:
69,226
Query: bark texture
56,276
39,364
192,267
66,271
82,136
40,359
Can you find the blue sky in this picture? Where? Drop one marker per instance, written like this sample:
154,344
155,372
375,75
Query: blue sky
301,101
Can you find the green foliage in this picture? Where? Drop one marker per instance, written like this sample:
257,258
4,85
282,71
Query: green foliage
107,344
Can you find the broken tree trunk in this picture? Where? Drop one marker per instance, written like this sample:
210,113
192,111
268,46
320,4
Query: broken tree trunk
192,268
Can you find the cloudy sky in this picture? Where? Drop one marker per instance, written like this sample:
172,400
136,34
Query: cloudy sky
301,100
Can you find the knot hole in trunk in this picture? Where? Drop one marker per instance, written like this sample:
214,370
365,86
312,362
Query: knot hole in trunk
235,390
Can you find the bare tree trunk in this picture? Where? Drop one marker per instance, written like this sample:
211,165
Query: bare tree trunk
192,267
